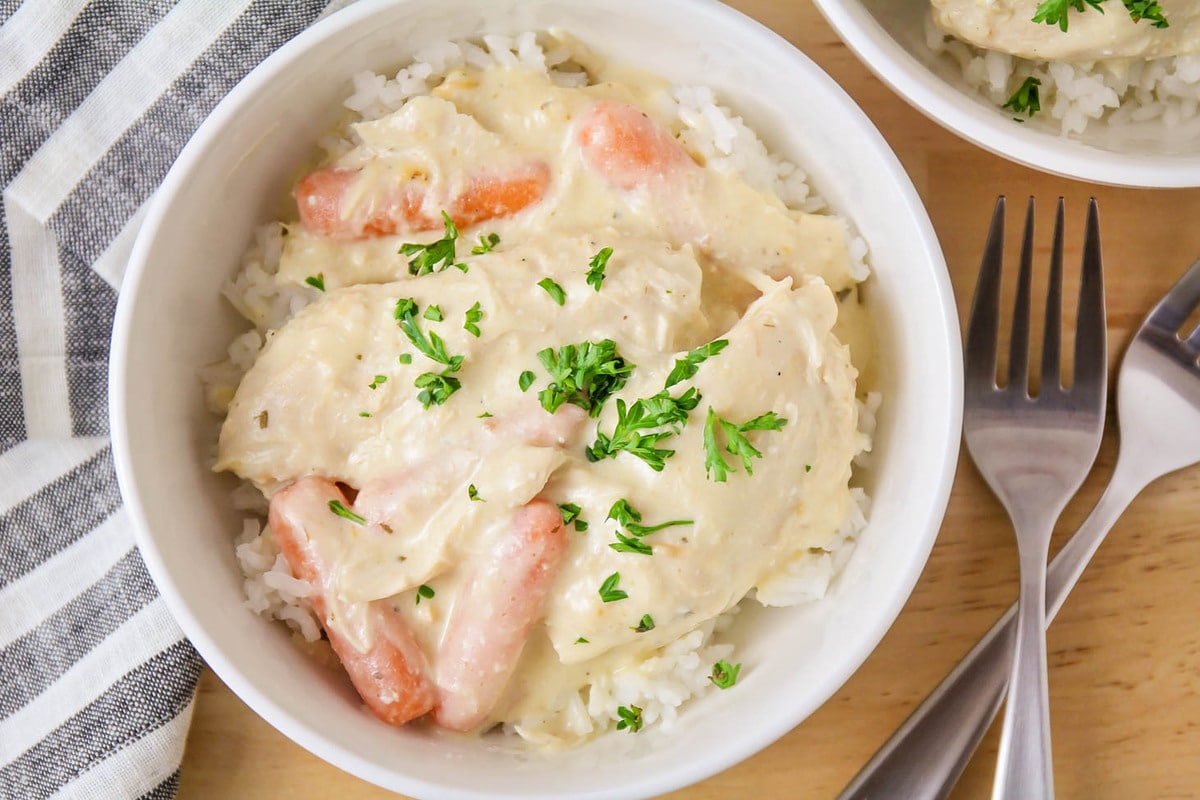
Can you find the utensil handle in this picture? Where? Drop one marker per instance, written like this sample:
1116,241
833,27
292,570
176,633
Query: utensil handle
924,758
1024,767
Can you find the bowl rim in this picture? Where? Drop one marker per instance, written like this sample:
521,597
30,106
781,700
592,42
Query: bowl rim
279,716
942,103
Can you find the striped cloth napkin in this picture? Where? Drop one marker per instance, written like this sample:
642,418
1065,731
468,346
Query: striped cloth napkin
97,97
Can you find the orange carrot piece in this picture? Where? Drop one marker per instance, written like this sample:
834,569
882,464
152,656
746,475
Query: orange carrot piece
399,209
392,676
505,595
622,143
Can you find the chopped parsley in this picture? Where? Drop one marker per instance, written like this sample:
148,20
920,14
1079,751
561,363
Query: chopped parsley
364,413
378,381
316,281
436,256
486,244
584,374
526,379
582,640
406,358
339,509
424,591
646,624
609,593
433,314
570,513
736,443
687,366
556,292
1025,100
629,518
484,415
474,316
643,426
473,493
435,387
596,267
631,718
1055,12
724,674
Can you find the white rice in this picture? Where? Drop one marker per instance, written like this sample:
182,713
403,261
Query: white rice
1141,98
660,684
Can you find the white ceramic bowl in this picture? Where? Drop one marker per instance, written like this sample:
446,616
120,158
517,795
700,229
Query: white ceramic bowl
888,36
171,320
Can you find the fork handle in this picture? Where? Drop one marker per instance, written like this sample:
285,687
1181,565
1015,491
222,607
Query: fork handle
926,755
1025,767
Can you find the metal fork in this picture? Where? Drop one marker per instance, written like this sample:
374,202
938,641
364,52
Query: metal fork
1158,406
1034,452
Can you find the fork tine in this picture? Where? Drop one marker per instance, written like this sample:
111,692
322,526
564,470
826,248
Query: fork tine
1177,305
983,328
1091,364
1052,335
1018,353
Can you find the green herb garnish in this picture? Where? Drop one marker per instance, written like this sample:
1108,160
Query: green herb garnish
1055,12
526,379
584,374
424,591
724,674
1025,100
570,513
436,256
435,387
316,281
715,466
582,640
474,316
433,314
629,518
473,493
643,426
556,292
596,267
687,366
646,624
609,593
337,508
486,244
406,358
631,718
379,380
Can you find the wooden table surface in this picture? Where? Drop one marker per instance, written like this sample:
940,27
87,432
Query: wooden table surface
1125,650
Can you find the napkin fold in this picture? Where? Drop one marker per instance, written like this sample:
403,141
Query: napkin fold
97,682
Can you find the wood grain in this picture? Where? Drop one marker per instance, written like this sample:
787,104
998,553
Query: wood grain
1125,651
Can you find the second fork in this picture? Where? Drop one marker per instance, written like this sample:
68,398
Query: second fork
1034,452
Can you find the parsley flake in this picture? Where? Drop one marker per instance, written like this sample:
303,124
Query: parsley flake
473,493
474,316
1055,12
340,510
609,593
556,292
584,375
736,443
486,244
378,381
433,314
406,358
596,267
316,281
435,387
436,256
629,518
631,718
424,591
1025,99
526,379
643,426
689,365
582,640
724,674
570,513
646,624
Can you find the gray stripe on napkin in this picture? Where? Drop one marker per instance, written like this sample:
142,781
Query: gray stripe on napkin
165,790
61,512
41,656
99,37
142,701
125,177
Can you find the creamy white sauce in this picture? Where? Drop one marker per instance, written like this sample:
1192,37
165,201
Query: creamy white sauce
715,259
1007,26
